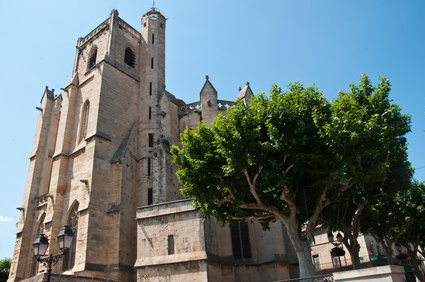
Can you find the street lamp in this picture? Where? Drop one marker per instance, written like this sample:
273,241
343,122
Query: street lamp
338,250
40,245
401,256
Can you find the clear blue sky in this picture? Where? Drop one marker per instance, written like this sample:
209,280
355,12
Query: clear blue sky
328,42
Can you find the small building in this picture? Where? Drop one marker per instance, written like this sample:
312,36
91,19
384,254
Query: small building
371,253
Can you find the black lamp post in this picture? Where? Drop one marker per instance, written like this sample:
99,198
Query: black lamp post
337,251
40,245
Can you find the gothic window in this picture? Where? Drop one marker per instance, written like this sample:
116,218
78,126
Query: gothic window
72,222
150,196
240,241
92,58
171,244
129,57
39,230
84,120
150,140
150,88
153,38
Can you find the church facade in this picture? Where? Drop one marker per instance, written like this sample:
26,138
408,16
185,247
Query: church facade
101,164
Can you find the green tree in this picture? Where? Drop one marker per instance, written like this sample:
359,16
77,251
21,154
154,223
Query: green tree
4,269
346,214
367,133
413,239
264,162
288,156
388,218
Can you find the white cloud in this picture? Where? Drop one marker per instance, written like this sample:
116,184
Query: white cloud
5,219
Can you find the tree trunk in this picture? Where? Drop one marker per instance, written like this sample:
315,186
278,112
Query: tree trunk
305,264
354,249
389,252
303,249
414,259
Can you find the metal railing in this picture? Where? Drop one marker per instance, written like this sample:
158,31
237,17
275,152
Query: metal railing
319,278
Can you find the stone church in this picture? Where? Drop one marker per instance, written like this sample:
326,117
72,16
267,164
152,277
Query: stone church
101,164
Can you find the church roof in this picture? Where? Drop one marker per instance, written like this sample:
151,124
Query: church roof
173,99
245,92
208,84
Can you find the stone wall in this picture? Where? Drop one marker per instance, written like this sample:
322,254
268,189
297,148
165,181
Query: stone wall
42,277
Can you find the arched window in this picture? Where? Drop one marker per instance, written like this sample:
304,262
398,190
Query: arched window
72,222
39,230
92,58
84,120
129,57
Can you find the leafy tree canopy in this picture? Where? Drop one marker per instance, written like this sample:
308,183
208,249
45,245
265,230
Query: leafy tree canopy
260,160
4,268
289,155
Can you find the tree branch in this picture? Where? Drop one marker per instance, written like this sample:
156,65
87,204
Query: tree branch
323,202
355,222
287,197
345,185
228,199
252,185
257,218
285,172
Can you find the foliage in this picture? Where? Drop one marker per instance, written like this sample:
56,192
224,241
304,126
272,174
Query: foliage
289,155
366,129
262,162
273,145
390,216
367,133
4,268
413,237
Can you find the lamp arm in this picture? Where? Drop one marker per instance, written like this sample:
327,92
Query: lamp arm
50,261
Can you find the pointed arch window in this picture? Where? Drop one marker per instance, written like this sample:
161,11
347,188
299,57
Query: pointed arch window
72,222
39,230
84,120
92,58
130,57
